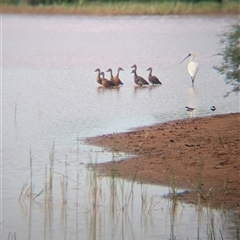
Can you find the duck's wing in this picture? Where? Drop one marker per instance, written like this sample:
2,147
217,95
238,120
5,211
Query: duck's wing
154,80
141,81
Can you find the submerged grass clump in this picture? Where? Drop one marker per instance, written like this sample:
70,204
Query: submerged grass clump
118,200
202,193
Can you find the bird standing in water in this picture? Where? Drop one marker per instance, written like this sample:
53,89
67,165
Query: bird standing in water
213,108
117,80
105,82
190,109
153,79
140,81
192,66
98,79
111,75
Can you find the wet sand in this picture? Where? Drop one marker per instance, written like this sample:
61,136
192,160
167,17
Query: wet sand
200,154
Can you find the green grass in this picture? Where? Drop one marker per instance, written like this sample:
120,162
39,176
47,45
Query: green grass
126,8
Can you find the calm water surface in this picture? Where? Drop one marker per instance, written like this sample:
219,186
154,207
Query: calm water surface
51,102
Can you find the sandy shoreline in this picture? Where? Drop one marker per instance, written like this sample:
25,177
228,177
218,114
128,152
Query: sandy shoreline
202,154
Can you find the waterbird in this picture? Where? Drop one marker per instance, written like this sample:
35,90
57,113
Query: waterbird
213,108
134,66
117,80
106,82
138,79
190,109
111,75
153,79
99,80
192,66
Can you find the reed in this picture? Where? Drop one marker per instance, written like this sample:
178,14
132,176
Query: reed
132,185
173,189
31,174
121,200
148,203
113,192
22,191
12,236
15,113
173,204
211,232
51,166
202,193
64,183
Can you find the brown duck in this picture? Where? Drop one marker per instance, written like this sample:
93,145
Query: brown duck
105,82
111,75
138,79
153,79
99,80
117,80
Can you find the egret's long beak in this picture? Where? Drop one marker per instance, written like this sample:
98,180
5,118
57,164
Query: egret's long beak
186,57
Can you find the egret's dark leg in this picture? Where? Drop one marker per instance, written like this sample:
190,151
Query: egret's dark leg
192,81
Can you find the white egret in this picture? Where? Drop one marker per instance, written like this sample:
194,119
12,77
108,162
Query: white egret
192,66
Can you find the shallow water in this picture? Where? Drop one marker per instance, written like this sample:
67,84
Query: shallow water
50,97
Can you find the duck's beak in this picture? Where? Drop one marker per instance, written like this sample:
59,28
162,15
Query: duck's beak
186,57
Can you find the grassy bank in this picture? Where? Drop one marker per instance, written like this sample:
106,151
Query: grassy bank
126,8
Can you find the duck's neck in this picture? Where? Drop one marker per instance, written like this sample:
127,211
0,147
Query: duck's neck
99,74
118,73
150,73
